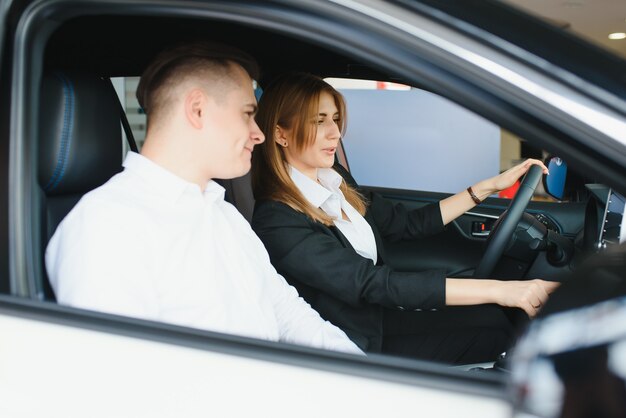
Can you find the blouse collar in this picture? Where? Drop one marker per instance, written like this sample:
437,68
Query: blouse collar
313,191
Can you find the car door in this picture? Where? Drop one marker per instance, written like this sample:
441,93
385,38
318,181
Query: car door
56,352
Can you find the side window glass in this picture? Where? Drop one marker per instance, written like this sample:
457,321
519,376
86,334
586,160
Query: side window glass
125,88
402,137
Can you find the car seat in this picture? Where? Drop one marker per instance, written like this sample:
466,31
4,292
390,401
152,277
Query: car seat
239,193
80,147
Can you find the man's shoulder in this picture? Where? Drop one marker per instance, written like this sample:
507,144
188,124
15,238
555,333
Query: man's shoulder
235,219
116,194
111,203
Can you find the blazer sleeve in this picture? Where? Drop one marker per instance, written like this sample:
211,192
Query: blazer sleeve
394,221
311,253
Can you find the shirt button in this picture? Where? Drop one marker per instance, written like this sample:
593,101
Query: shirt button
418,310
433,309
401,308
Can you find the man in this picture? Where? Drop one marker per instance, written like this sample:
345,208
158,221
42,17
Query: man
158,241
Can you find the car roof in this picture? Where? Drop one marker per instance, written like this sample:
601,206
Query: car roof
127,50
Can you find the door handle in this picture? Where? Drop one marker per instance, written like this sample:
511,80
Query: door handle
481,229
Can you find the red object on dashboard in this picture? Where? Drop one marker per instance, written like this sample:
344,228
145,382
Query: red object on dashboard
509,193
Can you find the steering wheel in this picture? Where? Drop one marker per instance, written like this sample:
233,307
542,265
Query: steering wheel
504,227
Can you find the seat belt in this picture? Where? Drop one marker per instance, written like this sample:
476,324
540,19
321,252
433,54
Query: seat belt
125,125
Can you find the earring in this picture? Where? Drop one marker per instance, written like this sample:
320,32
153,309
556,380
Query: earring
284,143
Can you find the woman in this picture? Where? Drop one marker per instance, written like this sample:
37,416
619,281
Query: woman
325,238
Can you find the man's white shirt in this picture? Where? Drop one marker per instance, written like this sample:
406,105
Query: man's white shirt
151,245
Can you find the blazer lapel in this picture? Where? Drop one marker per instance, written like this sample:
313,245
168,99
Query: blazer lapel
337,233
380,247
368,217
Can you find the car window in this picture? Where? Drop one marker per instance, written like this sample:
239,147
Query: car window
125,87
402,137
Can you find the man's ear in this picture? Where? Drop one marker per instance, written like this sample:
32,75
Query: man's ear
195,106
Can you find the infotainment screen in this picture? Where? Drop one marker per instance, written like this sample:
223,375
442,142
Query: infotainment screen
613,229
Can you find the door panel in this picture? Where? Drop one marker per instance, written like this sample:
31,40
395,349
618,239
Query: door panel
160,370
460,247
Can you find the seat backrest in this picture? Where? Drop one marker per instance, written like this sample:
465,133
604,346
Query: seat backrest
239,193
80,144
239,190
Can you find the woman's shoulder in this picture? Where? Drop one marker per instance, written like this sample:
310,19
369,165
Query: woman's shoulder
270,211
271,205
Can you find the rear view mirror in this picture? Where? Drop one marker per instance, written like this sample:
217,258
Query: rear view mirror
554,183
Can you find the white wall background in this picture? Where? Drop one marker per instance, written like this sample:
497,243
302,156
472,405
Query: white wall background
416,140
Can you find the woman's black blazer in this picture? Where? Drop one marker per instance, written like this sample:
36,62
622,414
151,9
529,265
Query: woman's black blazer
344,287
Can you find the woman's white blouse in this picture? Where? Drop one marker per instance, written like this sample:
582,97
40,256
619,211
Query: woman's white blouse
327,196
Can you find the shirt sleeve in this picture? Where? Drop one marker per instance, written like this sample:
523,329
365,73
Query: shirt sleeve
309,253
301,324
298,322
91,267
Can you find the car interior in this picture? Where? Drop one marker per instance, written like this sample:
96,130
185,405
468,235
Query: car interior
74,161
80,141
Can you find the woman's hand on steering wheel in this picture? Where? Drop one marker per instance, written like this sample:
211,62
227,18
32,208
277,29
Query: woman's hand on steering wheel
508,178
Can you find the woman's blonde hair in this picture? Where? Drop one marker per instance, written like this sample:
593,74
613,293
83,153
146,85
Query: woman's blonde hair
292,102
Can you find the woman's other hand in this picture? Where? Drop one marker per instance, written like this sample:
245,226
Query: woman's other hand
529,295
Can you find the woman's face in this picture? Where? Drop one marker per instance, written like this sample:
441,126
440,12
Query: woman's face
321,153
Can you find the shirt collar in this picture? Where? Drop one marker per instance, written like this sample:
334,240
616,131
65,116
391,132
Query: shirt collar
167,183
330,179
314,192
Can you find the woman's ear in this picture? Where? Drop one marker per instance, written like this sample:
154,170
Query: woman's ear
280,136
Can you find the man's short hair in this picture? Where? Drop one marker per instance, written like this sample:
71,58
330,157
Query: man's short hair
174,64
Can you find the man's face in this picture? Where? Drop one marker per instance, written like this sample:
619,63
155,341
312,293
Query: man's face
232,130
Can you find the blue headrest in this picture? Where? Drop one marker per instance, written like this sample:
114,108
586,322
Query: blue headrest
80,139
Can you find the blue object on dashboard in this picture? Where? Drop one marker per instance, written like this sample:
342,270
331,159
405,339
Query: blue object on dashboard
555,181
